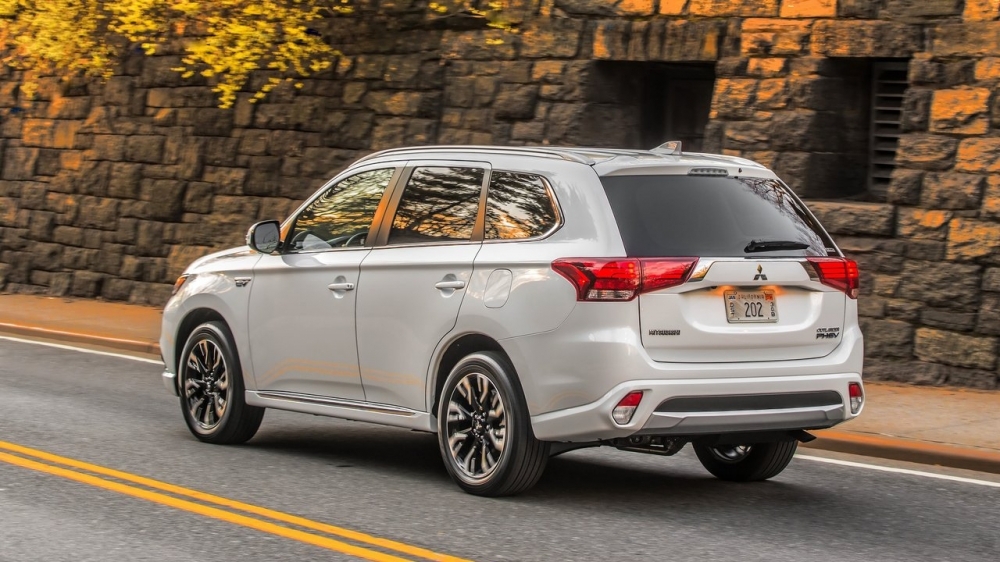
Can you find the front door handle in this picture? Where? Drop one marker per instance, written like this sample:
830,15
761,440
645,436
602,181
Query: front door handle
340,286
458,284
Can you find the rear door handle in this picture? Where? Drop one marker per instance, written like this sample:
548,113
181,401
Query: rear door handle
450,285
340,286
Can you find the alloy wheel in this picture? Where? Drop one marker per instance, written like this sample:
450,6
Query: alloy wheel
206,384
476,427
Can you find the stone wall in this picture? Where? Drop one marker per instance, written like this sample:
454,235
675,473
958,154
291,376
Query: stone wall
109,189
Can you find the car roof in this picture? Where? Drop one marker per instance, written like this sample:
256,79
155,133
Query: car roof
605,161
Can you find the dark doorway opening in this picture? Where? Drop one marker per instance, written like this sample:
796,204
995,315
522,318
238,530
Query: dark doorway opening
644,104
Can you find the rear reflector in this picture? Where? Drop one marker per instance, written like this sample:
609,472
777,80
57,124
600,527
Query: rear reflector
623,412
839,273
857,396
602,279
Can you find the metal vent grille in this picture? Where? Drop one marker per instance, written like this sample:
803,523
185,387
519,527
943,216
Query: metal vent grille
889,83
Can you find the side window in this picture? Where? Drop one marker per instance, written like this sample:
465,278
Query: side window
341,216
518,206
439,204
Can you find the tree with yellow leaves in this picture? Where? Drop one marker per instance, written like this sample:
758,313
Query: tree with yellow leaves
222,40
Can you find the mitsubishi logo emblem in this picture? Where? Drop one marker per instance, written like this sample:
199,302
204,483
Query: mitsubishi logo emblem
760,274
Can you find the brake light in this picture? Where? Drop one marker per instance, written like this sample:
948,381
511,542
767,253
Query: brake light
857,396
840,273
599,279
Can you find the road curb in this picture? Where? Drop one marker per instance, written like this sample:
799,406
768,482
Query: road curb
907,450
135,346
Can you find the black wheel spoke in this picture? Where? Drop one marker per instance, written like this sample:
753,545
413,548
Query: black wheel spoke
206,384
476,426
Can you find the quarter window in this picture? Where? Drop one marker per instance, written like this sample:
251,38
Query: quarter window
439,204
342,216
518,206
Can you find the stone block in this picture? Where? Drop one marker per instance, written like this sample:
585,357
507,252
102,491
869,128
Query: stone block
916,109
149,239
405,103
734,98
145,148
767,67
727,8
865,38
962,111
912,9
923,224
926,152
989,315
981,10
515,101
929,250
808,9
887,338
979,155
118,90
952,190
747,135
969,239
969,39
924,70
552,39
776,37
946,285
904,310
855,218
773,93
98,212
991,280
165,198
948,320
108,147
231,180
124,180
198,198
213,122
116,289
68,108
950,348
86,284
991,198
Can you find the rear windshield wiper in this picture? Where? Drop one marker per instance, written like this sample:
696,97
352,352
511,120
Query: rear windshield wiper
771,245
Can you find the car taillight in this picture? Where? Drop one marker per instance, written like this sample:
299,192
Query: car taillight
839,273
857,396
601,279
623,412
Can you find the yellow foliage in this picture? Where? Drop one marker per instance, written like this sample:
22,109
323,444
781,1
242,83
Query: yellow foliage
223,40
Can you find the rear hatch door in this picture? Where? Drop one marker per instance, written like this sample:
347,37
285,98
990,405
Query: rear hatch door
753,295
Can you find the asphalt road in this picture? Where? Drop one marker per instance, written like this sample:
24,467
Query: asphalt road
595,504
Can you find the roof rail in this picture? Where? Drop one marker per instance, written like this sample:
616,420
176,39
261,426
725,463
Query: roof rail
530,150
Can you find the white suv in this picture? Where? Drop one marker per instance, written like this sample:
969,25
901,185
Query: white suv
523,302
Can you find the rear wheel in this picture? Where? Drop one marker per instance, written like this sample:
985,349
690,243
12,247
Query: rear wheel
211,388
484,430
746,463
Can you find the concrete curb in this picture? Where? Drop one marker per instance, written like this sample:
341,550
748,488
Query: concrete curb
907,450
829,440
134,346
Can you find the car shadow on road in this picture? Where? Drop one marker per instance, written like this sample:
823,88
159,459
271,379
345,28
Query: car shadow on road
584,476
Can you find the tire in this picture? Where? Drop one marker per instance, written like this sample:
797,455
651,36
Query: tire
520,459
210,381
759,461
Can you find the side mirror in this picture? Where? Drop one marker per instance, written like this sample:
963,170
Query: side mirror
264,237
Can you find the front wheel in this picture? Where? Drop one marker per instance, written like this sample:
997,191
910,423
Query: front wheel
746,463
484,430
210,381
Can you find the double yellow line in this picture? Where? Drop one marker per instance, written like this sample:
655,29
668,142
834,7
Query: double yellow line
223,509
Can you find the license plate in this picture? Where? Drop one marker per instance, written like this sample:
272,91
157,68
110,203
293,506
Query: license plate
751,306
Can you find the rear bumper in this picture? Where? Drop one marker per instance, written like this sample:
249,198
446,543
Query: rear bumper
593,421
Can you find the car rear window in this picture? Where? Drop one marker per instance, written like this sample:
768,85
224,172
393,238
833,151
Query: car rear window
662,216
